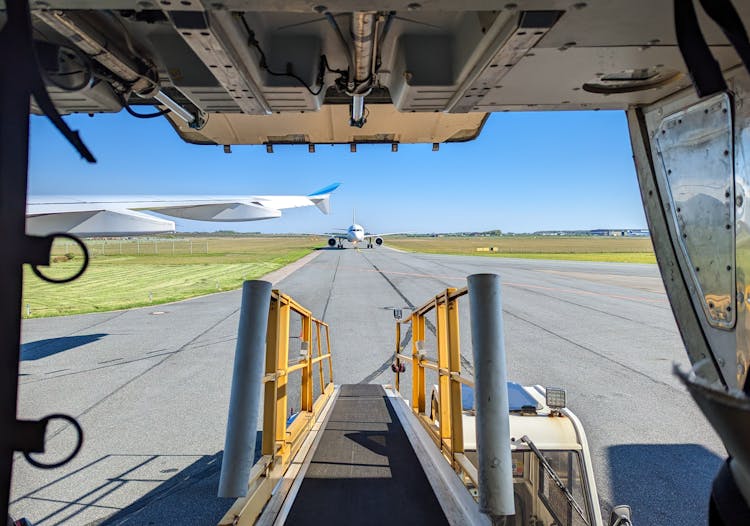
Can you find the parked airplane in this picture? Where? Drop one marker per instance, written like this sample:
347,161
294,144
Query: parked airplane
356,234
99,215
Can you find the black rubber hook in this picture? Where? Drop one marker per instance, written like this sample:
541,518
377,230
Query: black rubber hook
86,257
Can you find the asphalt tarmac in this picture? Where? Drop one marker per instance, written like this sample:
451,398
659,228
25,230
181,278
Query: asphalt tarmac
150,386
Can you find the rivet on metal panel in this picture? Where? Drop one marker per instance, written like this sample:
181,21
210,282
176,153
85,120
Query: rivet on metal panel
721,362
738,201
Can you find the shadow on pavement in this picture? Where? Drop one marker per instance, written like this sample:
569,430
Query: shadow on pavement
44,348
664,484
188,498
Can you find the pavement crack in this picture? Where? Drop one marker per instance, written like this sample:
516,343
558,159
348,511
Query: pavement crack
428,324
330,289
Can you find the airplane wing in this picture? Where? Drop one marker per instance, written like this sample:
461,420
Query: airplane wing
337,235
372,236
90,216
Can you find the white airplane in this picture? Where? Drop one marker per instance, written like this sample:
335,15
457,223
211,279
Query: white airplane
356,234
99,215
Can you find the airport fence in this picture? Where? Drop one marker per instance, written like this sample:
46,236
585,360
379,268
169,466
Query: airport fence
136,246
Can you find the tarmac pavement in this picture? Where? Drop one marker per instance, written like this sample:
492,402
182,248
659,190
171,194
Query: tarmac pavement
150,386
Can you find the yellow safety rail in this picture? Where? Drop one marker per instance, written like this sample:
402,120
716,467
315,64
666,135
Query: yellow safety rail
281,441
447,432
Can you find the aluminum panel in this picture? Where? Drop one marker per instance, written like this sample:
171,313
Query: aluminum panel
694,147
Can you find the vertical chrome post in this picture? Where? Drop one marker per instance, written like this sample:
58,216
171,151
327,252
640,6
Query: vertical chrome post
491,395
244,403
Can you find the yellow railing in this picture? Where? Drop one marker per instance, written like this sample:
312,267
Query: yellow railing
446,427
281,441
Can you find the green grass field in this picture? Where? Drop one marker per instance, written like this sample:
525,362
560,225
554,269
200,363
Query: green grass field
578,248
114,281
127,273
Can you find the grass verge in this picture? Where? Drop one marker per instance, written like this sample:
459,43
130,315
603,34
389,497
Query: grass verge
579,248
114,282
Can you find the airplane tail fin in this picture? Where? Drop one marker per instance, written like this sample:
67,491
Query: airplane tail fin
322,197
354,217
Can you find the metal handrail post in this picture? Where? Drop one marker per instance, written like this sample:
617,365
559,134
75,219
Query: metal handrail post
269,390
444,381
320,353
282,364
454,366
330,361
306,400
491,395
398,360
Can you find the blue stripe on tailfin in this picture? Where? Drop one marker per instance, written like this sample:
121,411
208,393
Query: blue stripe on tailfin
327,190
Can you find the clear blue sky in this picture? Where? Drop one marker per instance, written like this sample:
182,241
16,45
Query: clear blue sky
525,172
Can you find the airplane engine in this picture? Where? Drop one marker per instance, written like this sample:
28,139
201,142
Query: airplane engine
378,241
332,242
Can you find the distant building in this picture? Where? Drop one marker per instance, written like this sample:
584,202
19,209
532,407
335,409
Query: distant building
629,232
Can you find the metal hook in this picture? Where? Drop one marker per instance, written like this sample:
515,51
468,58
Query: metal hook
42,424
75,276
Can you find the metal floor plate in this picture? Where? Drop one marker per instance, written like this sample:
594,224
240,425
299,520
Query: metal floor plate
364,470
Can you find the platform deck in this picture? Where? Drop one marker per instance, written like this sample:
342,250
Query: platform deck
364,471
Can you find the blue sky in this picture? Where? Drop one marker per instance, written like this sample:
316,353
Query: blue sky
525,172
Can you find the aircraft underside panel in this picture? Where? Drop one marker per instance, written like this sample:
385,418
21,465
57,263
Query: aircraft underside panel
269,72
98,222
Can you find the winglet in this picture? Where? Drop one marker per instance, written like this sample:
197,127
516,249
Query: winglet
327,190
322,197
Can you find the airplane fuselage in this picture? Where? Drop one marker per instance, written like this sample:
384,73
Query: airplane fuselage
355,233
